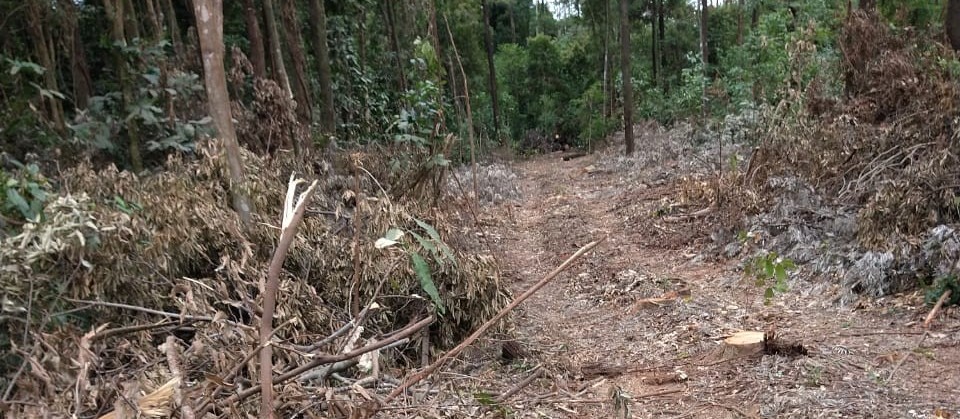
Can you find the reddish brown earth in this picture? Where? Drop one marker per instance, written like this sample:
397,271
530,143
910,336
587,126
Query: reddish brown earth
665,359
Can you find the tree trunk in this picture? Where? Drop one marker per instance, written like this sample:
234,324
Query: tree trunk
704,59
79,70
279,70
301,86
37,27
115,13
513,23
258,58
210,28
739,22
953,23
131,20
625,74
608,96
394,43
154,19
174,28
491,69
321,52
653,45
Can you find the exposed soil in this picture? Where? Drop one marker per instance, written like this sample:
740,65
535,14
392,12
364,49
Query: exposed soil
604,351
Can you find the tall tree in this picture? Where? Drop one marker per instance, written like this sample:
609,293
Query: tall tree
174,28
279,70
210,30
258,58
321,52
739,22
625,74
391,15
37,11
301,87
953,23
654,43
79,70
491,69
115,13
703,58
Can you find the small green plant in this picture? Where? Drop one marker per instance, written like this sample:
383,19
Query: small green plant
814,376
770,271
942,285
24,192
435,248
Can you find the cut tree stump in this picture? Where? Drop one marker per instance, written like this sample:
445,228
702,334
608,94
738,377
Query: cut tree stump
743,344
746,343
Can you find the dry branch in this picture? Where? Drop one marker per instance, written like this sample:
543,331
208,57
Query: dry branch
496,318
537,372
404,333
936,308
292,214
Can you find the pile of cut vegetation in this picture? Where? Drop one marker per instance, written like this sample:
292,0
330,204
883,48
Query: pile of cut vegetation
864,187
126,284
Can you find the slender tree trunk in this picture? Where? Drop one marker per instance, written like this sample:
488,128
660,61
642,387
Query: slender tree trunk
491,69
115,13
739,22
79,70
258,58
608,105
626,75
703,58
513,23
174,28
279,70
653,46
301,86
131,20
395,43
154,20
210,28
36,12
321,52
952,23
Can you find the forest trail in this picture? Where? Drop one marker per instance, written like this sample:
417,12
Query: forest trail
595,338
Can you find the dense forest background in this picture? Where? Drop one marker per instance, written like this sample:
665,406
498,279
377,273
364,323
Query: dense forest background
144,143
124,81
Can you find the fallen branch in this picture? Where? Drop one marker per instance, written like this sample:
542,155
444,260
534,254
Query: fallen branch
537,372
142,310
489,323
936,308
172,351
292,214
404,333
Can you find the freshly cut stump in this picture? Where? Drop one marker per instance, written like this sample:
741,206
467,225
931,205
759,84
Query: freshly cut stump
743,344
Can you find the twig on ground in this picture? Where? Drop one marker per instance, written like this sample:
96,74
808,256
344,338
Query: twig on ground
489,323
904,359
537,372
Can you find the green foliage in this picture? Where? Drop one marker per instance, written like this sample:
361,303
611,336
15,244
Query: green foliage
157,107
440,254
22,128
771,272
25,191
942,285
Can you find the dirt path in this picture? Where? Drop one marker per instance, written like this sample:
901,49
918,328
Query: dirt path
594,339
